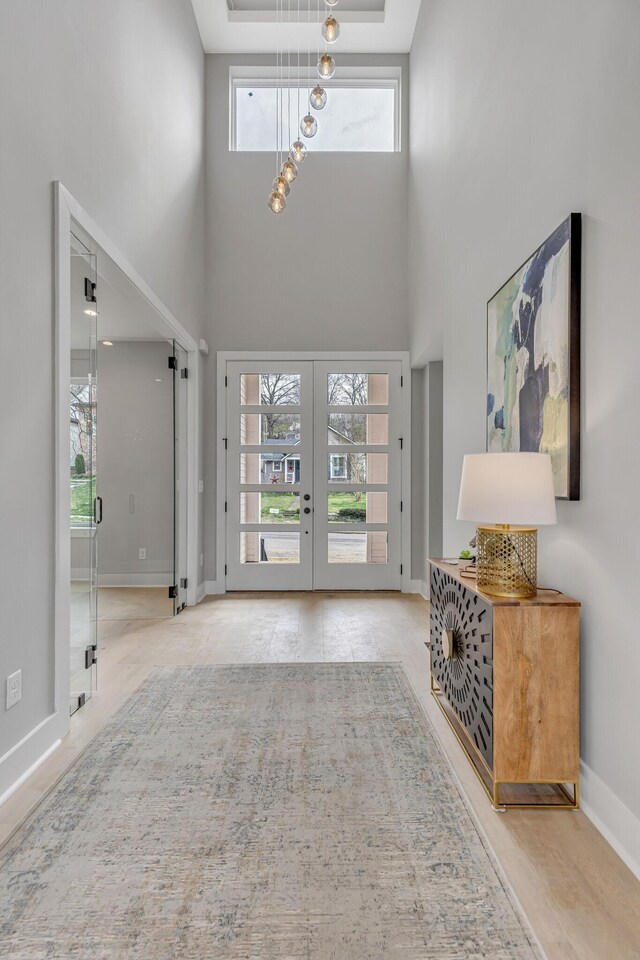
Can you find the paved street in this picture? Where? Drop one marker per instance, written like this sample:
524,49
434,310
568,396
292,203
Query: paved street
344,547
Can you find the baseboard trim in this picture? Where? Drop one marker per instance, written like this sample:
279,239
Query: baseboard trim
617,824
413,586
135,579
25,757
213,587
201,591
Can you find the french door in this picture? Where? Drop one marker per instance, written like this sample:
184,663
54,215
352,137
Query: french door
313,475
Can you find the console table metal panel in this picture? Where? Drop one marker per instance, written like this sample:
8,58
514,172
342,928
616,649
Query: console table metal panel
511,691
466,680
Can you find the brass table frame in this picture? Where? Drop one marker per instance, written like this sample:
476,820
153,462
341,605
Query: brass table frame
492,786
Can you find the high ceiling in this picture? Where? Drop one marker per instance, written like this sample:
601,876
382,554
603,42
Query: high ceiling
251,26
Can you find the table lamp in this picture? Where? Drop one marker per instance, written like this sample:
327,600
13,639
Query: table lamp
508,495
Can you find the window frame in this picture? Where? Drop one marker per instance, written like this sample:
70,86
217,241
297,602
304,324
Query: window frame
332,472
387,78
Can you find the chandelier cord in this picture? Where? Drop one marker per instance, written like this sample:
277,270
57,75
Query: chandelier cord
280,80
324,42
289,72
276,101
298,80
309,48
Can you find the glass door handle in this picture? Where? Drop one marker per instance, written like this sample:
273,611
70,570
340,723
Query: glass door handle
97,510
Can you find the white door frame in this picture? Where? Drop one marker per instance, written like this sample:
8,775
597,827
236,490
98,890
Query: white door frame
67,212
406,584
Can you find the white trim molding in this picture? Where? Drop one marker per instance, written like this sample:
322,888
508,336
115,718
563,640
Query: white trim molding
617,824
136,579
417,586
18,763
213,588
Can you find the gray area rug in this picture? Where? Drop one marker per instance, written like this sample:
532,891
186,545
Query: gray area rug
281,811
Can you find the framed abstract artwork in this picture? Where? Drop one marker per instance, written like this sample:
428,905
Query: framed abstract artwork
533,358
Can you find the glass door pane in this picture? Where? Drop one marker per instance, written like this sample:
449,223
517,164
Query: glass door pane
137,543
357,475
85,504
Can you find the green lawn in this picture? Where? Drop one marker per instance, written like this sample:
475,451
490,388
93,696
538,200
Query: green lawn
347,501
82,495
277,501
285,501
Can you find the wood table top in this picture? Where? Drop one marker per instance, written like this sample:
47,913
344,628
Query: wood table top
545,597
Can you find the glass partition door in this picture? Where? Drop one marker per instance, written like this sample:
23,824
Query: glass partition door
85,503
180,390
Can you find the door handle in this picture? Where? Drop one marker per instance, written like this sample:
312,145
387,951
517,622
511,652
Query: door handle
97,510
307,509
307,496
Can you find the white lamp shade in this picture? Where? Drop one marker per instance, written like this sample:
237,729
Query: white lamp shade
513,488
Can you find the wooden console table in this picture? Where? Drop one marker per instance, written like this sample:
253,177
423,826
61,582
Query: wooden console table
505,673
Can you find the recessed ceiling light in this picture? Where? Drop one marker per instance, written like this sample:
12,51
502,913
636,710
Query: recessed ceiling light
91,313
107,343
158,379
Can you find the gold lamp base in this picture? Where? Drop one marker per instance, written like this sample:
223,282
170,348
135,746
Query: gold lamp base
507,560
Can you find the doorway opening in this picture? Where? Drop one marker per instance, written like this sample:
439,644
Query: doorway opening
314,473
125,414
127,456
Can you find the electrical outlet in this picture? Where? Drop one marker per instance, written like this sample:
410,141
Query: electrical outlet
14,689
142,553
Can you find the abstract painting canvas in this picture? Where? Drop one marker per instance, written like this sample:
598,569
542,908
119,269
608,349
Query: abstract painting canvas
533,358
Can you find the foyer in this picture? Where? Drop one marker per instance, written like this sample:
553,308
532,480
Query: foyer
318,511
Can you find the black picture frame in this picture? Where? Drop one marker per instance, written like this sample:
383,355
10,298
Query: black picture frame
532,395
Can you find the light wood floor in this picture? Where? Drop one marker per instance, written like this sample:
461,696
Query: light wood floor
582,901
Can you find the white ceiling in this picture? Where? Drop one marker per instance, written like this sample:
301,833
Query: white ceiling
243,30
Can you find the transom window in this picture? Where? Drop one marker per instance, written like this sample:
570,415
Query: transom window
361,114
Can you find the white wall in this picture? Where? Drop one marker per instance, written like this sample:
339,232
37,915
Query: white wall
108,98
328,274
135,459
520,114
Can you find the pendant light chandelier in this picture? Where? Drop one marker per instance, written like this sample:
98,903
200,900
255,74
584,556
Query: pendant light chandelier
287,170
